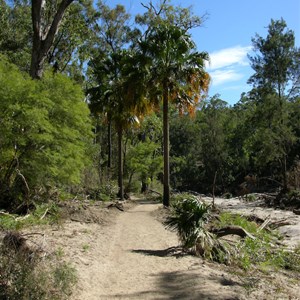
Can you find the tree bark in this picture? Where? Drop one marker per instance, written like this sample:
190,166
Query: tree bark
43,36
120,156
166,196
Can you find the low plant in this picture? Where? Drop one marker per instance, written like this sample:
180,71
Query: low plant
187,218
25,275
261,251
190,217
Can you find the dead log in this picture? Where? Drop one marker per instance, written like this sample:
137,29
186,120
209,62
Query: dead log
296,211
235,230
279,223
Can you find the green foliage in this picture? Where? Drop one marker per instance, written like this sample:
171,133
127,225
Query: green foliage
275,83
105,192
15,33
262,251
259,135
45,129
187,218
144,159
43,214
226,219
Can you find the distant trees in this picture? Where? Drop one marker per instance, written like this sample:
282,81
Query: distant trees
260,134
275,83
16,33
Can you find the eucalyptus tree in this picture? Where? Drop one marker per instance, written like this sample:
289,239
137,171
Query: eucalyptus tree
176,70
36,33
275,82
44,31
72,45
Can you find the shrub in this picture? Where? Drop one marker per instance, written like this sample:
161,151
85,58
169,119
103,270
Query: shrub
44,132
187,218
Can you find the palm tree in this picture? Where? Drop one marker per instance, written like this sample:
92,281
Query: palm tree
119,95
176,74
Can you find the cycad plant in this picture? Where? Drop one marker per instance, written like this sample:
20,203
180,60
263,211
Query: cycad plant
187,218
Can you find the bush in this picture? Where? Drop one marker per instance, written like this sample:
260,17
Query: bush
44,133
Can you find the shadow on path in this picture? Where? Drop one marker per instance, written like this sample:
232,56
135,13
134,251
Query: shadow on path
185,285
172,251
145,201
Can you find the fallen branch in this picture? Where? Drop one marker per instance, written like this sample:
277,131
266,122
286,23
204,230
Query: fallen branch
279,223
235,230
119,206
154,192
7,214
254,218
264,224
22,218
44,214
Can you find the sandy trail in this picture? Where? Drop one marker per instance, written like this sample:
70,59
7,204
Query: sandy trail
136,258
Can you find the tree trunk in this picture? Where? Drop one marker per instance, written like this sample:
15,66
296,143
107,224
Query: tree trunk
166,197
109,154
213,189
284,175
145,187
120,156
43,34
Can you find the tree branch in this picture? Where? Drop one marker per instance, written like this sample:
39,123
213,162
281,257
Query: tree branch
236,230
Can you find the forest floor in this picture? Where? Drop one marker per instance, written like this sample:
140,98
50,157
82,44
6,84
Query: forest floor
130,255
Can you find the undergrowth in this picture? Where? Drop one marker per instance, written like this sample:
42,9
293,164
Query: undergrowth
194,222
46,213
26,275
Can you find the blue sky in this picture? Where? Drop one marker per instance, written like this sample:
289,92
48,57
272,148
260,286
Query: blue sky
226,35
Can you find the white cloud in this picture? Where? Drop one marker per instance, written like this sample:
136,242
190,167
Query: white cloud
226,64
228,57
222,76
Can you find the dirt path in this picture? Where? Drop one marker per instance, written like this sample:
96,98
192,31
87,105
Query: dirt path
130,255
136,258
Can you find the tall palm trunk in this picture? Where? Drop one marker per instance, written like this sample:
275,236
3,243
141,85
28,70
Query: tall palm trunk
120,156
166,196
